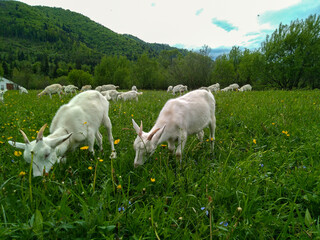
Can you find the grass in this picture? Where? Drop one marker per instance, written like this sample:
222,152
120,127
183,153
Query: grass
261,183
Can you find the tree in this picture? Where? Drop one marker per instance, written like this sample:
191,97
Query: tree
79,78
223,71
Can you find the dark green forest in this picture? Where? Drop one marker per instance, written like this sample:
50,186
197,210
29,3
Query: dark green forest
42,45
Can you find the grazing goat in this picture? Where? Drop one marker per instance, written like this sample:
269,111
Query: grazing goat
2,92
74,124
234,87
179,118
86,88
98,88
226,89
214,87
129,95
169,89
179,88
70,89
134,88
22,90
111,95
51,89
246,87
108,87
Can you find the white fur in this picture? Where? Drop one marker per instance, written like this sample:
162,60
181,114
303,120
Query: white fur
52,89
108,87
246,87
179,88
234,87
86,88
2,92
22,90
111,95
169,89
70,89
226,89
134,88
179,118
76,123
214,87
131,95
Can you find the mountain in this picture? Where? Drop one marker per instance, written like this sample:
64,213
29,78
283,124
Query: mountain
36,32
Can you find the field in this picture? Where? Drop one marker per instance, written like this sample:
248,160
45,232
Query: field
262,182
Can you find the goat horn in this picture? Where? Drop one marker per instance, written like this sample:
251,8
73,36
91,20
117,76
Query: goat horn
140,131
153,133
40,133
26,140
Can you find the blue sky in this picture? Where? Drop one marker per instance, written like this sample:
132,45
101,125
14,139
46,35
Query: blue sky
219,24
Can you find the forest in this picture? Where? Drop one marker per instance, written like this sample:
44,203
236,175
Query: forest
42,45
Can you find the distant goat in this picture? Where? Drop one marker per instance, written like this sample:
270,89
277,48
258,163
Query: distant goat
234,87
52,89
134,88
246,87
108,87
70,89
226,89
169,89
22,90
74,124
179,88
2,92
111,95
131,95
179,118
86,88
214,87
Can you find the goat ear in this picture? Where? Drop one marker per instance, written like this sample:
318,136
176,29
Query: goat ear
17,144
137,128
53,143
156,134
40,133
26,140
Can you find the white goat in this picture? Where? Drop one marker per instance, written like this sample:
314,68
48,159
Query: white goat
98,88
86,88
214,87
22,90
52,89
129,95
169,89
70,89
109,87
74,124
111,95
179,118
234,87
2,92
226,89
134,88
246,87
179,88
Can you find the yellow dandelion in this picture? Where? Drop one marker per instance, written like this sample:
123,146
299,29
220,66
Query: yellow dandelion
9,138
254,141
211,139
1,142
124,112
100,160
152,179
90,168
17,153
84,148
163,145
119,187
131,115
116,141
273,123
85,123
22,173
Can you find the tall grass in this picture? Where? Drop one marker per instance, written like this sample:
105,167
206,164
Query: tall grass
261,183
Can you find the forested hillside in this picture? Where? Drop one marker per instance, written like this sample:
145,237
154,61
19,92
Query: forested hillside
43,45
47,34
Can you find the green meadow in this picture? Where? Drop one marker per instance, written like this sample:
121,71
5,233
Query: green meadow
261,182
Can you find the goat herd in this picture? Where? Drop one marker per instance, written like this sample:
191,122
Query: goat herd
180,117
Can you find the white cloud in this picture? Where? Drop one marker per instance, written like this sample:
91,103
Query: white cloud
173,22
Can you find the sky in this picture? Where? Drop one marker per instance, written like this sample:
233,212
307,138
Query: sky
191,24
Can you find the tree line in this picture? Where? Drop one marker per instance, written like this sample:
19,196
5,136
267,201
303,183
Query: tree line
288,59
